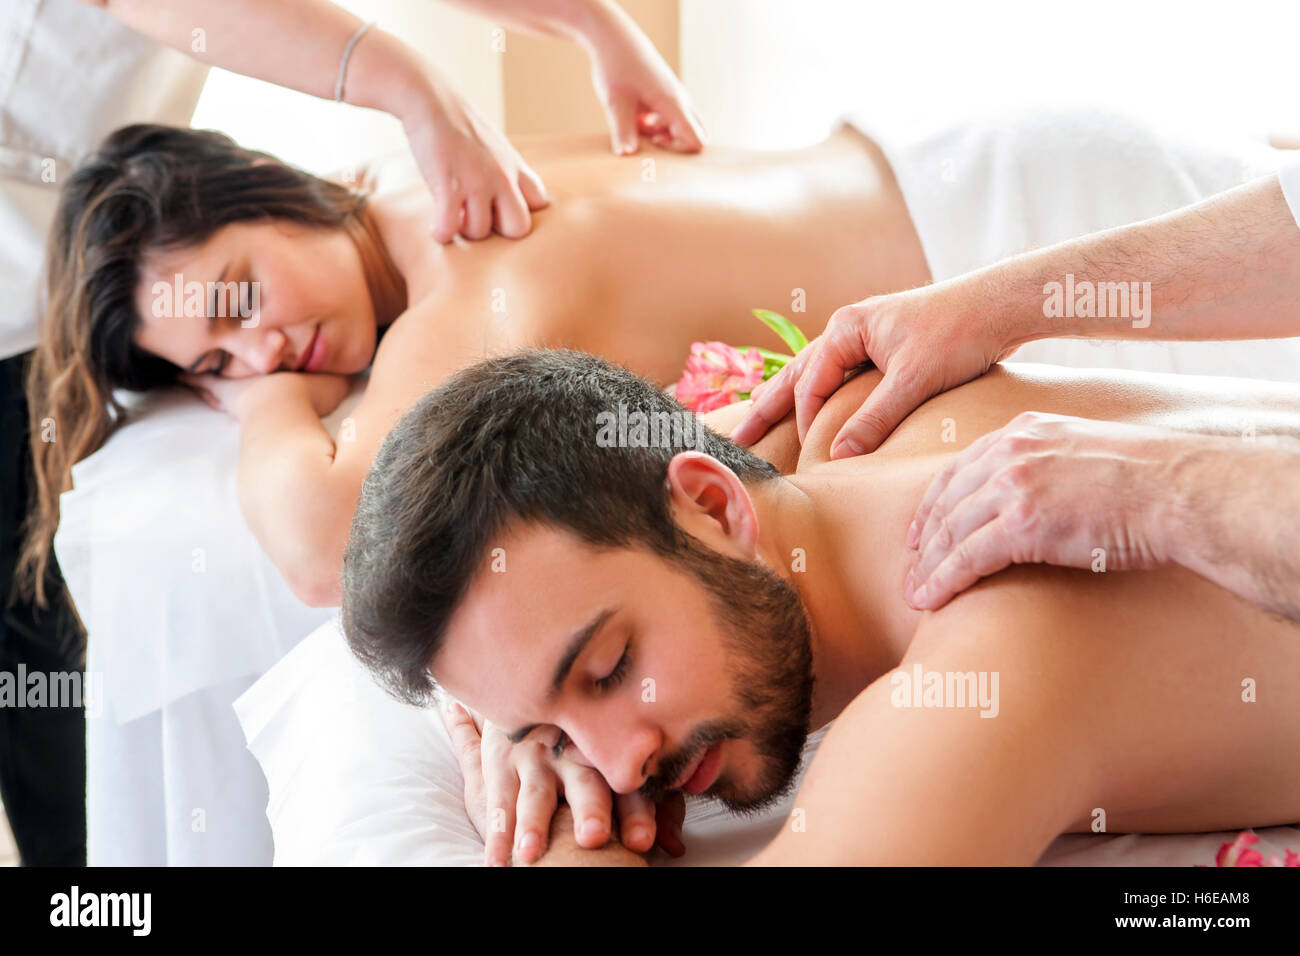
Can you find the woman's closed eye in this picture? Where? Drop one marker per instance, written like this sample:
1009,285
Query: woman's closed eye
223,360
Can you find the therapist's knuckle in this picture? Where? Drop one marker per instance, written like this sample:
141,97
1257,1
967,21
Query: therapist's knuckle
943,535
1021,516
1016,478
1018,443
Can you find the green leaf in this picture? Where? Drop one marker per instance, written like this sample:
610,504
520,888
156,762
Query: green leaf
789,332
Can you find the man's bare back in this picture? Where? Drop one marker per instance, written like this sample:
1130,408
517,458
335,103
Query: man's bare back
1144,701
637,258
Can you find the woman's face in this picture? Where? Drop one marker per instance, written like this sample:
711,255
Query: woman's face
254,297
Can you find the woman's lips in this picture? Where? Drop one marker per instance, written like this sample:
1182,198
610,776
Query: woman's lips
314,357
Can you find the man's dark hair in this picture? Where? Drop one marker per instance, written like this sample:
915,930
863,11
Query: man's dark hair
511,439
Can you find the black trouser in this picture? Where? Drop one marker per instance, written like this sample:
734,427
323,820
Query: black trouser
42,749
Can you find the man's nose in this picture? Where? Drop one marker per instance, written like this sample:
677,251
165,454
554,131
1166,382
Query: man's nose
622,754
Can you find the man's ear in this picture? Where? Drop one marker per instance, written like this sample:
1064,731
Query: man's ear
711,503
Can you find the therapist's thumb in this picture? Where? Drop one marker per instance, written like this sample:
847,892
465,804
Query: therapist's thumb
620,112
888,404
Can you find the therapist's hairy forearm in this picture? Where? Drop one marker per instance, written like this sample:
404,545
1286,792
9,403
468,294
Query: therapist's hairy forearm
290,495
562,847
297,44
1224,268
1234,517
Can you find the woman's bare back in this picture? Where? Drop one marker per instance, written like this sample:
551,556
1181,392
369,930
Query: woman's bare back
638,257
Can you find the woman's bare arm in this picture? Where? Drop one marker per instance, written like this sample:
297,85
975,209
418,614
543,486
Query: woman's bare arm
298,489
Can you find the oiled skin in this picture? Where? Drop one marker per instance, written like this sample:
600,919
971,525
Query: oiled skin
1130,685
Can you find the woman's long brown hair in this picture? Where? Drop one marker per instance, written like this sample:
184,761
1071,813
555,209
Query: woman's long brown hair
148,187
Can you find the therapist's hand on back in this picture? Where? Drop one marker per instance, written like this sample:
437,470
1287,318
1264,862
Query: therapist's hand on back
479,181
512,793
1046,489
924,341
638,90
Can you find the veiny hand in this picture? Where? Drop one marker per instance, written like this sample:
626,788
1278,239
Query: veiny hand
522,783
231,395
1043,489
640,94
479,181
923,342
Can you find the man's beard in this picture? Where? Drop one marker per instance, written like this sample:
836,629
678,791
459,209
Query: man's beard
769,647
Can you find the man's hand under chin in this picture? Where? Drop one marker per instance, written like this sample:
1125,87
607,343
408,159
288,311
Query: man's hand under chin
525,783
563,849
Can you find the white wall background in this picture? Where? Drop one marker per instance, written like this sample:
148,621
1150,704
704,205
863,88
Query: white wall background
775,73
320,135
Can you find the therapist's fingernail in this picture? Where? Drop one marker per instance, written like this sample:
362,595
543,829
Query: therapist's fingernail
918,596
913,535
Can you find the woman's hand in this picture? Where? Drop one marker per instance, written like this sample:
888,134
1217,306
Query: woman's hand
925,341
236,395
479,181
640,94
512,791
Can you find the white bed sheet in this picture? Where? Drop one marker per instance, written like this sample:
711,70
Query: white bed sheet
358,778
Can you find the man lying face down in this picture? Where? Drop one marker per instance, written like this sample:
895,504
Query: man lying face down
681,615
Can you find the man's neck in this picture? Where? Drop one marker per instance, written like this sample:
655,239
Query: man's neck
853,643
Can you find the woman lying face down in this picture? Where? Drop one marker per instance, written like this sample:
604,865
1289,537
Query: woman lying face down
681,619
177,251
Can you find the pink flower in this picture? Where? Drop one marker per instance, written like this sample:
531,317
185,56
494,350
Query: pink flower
1238,853
718,374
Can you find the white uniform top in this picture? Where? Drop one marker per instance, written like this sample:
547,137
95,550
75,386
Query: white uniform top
69,75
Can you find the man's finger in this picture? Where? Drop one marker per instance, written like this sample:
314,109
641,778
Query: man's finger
467,745
636,821
538,798
592,802
669,816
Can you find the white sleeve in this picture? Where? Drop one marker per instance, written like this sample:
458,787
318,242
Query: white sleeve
1289,178
355,777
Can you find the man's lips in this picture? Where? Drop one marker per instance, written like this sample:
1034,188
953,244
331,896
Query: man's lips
702,773
308,352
